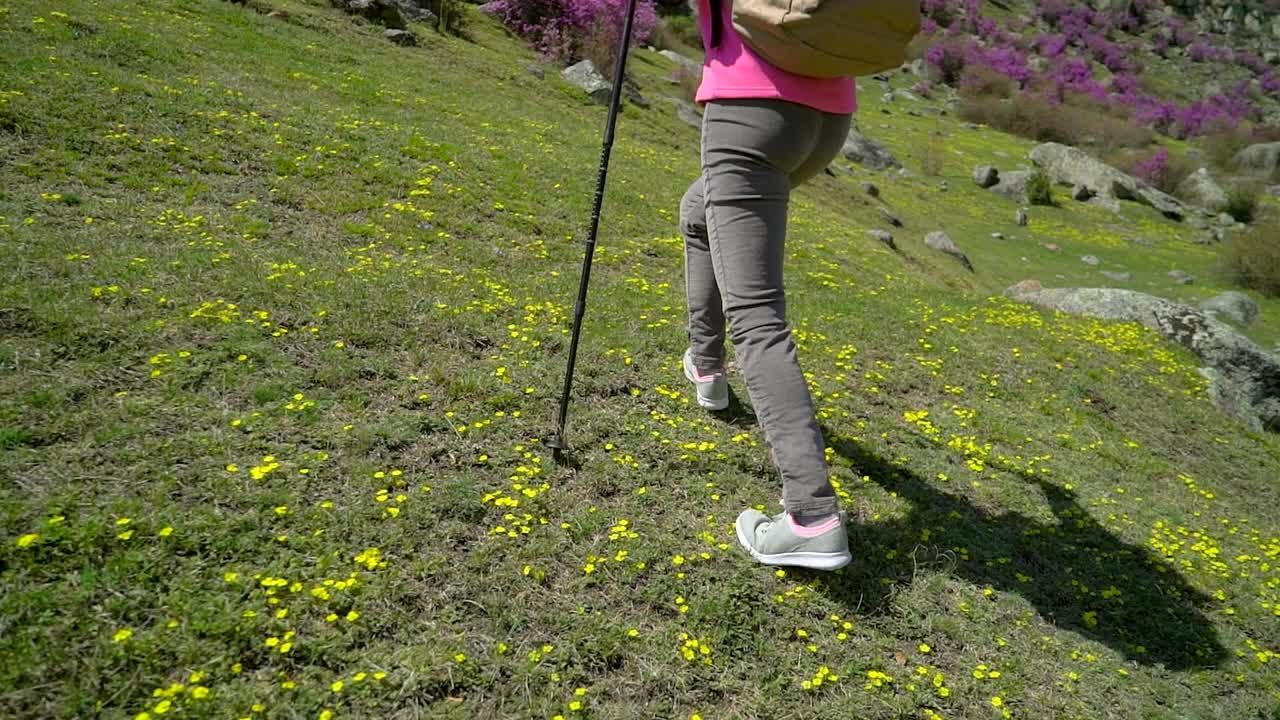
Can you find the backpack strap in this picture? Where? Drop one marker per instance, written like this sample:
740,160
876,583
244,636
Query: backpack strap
715,23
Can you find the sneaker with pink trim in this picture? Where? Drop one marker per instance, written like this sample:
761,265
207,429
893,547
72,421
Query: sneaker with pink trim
783,541
712,386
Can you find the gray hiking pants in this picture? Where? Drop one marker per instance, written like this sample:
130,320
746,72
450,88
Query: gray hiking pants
734,222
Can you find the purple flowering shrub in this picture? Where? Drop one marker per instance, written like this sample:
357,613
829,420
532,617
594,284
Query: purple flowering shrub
566,29
1155,168
947,61
1204,52
1051,12
1157,114
969,51
1050,46
938,11
1164,170
1074,75
1175,34
1247,59
1007,61
1271,85
1180,34
1125,85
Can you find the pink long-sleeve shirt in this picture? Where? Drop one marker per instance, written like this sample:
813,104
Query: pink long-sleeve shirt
734,71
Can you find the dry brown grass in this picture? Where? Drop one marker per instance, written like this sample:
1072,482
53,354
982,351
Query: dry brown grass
1252,259
1070,122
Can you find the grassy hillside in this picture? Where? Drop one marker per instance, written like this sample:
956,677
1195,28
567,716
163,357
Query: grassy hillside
285,310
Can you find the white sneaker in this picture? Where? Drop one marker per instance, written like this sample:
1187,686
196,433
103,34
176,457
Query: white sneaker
781,540
713,387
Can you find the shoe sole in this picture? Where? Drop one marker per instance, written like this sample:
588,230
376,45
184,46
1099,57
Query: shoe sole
810,560
705,403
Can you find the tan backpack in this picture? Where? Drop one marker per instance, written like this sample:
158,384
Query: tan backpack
824,38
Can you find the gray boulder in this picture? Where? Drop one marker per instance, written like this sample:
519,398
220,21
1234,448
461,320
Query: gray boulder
687,112
1244,378
686,64
1262,159
1232,305
584,75
1199,188
864,151
1069,166
1182,277
1117,276
417,11
986,176
400,37
941,242
1091,260
385,12
1106,202
631,91
1013,185
883,236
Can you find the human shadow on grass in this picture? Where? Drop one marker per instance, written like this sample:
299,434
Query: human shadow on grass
738,414
1156,619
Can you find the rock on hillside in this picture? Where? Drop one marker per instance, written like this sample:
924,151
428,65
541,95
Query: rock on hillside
1234,305
395,14
1200,189
1245,379
1066,165
686,64
1262,159
941,242
863,150
1229,17
585,76
1013,185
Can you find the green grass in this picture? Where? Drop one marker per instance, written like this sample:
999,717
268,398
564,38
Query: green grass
285,310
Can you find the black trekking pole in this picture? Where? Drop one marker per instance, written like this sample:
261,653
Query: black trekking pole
557,442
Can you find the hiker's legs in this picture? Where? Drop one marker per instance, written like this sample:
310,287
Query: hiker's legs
706,327
706,315
753,152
